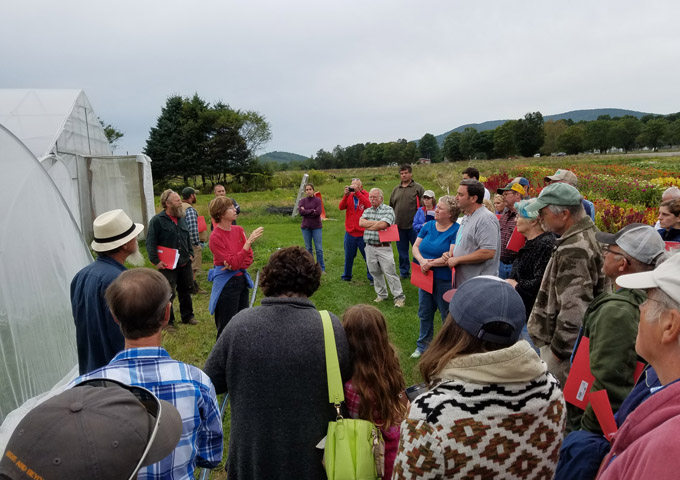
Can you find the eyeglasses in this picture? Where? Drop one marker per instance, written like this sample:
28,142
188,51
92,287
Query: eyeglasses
606,250
146,398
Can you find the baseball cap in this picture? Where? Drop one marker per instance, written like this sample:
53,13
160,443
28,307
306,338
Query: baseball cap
563,176
516,186
486,299
664,277
187,191
522,181
100,429
556,194
640,241
428,193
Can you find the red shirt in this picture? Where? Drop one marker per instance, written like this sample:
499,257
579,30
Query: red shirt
228,245
354,213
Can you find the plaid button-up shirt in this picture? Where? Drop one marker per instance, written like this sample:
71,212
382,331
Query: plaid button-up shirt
192,223
189,390
384,213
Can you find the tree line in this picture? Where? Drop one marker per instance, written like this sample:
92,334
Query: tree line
522,137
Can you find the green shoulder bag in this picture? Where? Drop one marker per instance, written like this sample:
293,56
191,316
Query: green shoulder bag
352,445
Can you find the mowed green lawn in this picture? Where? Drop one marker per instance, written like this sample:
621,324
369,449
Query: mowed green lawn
192,344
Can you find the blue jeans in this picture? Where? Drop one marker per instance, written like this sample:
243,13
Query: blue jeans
309,234
504,270
353,243
406,236
428,303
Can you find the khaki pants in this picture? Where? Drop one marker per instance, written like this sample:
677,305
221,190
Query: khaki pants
380,262
198,257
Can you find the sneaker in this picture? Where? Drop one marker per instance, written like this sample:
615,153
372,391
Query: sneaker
191,321
416,354
379,299
400,302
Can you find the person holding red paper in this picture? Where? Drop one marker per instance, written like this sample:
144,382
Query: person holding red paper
646,445
611,321
435,239
512,193
379,256
169,229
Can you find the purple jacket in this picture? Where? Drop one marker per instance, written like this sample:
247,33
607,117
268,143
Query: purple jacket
311,215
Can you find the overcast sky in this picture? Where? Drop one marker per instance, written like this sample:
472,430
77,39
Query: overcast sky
346,72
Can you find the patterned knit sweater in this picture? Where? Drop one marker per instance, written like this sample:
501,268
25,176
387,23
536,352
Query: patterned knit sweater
493,415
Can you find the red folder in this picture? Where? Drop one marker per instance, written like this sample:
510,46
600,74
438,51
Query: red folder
498,216
517,241
639,368
672,246
420,279
169,256
323,210
390,234
202,226
603,411
580,380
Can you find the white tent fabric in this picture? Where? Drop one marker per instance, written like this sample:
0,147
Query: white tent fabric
63,132
41,249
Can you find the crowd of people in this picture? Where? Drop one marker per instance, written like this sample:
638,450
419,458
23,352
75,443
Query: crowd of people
493,403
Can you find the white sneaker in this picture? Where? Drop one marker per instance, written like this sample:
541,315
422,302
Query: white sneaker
400,302
379,299
416,354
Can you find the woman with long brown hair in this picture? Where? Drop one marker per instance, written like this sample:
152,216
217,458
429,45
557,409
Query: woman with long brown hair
376,390
493,409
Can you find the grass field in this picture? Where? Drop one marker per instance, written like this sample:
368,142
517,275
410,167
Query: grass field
192,344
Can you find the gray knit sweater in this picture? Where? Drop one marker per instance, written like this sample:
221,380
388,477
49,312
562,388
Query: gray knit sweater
271,361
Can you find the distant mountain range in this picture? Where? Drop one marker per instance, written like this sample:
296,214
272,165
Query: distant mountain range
575,115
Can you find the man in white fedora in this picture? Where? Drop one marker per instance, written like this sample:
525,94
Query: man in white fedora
98,337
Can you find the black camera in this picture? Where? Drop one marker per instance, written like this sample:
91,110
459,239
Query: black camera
351,189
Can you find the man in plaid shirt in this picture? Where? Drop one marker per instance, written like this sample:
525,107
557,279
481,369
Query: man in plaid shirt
139,302
512,193
379,256
188,201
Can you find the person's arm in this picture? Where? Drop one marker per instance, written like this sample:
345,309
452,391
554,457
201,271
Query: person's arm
240,254
418,442
612,330
362,195
216,365
419,219
478,256
373,225
344,199
209,438
192,225
531,285
152,243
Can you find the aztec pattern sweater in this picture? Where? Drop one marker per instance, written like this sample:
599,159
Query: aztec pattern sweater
494,415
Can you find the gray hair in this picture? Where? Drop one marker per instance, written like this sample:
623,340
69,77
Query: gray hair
452,203
671,192
576,211
379,191
660,303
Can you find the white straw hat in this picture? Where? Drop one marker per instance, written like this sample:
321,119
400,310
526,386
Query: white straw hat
113,229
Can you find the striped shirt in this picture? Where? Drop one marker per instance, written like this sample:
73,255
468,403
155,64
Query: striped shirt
384,213
189,390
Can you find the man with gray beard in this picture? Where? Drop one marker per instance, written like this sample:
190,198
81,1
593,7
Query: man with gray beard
98,337
169,229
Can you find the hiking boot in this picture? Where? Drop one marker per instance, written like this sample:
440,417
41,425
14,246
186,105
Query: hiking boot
400,302
170,328
191,321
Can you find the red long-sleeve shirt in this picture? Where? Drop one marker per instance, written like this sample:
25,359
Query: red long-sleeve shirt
354,213
228,245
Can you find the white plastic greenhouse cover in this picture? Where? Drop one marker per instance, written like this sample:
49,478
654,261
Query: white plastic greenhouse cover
41,249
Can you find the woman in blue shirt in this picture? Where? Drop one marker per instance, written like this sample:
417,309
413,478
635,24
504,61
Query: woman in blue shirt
435,239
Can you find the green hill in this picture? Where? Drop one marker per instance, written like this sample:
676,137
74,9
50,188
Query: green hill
575,115
281,157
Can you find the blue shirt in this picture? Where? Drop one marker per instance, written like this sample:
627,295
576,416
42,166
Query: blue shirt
434,243
189,390
98,336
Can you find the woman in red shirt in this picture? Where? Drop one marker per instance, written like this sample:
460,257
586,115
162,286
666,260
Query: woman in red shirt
231,251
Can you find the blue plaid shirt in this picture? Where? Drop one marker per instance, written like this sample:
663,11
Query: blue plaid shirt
192,222
189,390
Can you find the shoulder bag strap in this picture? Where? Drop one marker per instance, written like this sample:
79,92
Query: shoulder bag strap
336,394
